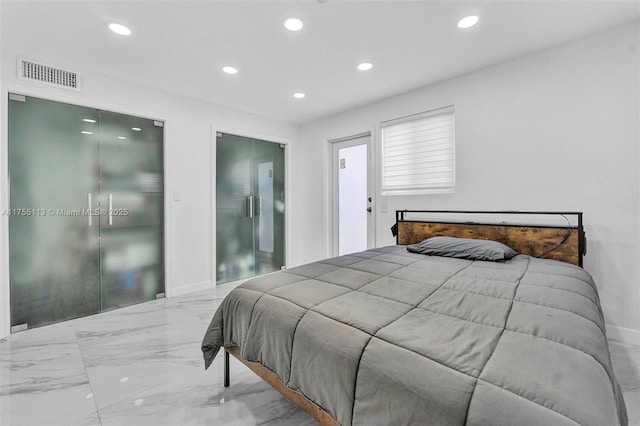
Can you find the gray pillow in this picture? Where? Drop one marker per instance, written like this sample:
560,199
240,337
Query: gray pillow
463,248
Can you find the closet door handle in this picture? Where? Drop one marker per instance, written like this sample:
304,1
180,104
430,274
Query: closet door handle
110,209
89,205
249,206
259,212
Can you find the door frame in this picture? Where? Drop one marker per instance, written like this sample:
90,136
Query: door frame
333,146
287,185
57,95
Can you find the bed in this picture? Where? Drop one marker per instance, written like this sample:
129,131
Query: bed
391,336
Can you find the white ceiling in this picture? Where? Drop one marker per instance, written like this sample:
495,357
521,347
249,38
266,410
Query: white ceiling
181,46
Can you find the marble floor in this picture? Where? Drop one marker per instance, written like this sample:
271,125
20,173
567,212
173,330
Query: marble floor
142,365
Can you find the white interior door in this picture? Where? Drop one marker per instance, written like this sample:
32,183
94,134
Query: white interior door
352,202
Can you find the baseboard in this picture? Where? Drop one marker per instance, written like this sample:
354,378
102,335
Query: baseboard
190,288
295,263
623,334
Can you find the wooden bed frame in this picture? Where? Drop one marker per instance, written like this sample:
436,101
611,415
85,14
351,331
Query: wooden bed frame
299,400
564,243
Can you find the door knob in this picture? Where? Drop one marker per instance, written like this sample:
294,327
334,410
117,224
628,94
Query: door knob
110,209
249,206
90,206
369,209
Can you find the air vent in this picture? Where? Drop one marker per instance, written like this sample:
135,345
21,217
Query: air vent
51,76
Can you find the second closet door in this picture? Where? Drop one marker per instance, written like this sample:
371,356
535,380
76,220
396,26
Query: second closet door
250,207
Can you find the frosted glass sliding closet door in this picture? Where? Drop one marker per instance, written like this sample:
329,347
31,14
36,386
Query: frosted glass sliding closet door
131,189
250,207
54,257
85,218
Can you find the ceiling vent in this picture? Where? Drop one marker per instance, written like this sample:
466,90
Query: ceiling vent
49,75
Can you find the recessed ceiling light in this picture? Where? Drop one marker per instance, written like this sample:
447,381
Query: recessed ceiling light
365,66
293,24
88,120
136,129
467,22
299,95
119,29
84,132
230,70
122,137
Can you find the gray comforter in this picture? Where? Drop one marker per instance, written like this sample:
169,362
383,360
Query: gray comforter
388,337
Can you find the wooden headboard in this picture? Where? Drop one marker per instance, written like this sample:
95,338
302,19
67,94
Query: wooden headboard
564,243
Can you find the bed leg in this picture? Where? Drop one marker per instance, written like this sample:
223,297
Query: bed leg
226,369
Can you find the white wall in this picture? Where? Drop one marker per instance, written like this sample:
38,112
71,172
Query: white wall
556,130
189,164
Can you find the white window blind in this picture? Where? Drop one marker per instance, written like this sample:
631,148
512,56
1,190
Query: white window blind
418,153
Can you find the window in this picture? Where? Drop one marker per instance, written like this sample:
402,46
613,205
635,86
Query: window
418,153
